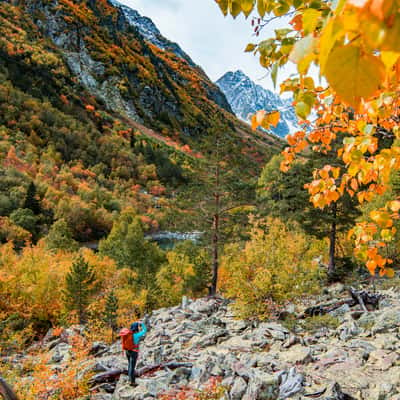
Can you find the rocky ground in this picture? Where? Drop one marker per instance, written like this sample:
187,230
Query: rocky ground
359,359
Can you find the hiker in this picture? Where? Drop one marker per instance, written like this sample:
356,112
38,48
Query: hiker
130,343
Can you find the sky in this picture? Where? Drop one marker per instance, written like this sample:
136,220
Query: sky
213,41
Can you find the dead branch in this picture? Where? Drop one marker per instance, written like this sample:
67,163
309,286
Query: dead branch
114,375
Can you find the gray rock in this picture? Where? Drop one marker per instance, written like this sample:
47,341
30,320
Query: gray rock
338,394
98,349
348,330
262,386
274,330
238,389
60,353
341,311
298,354
290,383
387,320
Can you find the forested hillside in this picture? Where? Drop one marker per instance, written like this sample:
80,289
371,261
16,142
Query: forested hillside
107,137
111,137
80,86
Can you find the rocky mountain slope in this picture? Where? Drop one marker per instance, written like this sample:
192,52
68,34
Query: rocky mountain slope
150,32
356,358
94,90
246,98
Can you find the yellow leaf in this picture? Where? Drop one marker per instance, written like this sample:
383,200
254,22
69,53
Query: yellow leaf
391,41
257,119
234,7
247,7
389,272
302,109
273,118
310,20
250,47
395,205
261,7
223,5
389,58
354,75
304,64
330,34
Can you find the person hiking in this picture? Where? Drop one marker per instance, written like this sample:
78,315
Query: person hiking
130,343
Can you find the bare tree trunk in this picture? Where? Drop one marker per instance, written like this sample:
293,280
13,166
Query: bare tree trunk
332,242
215,244
216,220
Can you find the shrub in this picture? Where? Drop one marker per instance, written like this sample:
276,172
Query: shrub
25,218
174,278
274,266
315,323
211,390
14,233
127,245
60,237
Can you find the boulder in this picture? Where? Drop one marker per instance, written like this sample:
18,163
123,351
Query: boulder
290,383
238,388
60,353
388,319
262,386
297,354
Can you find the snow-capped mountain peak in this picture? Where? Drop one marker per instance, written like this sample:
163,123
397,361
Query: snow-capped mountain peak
246,98
148,29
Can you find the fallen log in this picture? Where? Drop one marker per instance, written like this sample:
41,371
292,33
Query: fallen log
114,374
365,298
111,375
6,392
325,308
361,297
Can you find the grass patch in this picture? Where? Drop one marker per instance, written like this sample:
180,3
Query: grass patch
315,323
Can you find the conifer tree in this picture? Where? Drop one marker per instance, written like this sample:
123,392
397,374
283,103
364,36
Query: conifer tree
127,245
111,312
31,202
79,288
221,195
283,195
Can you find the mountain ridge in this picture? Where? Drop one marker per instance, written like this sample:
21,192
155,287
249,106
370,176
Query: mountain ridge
246,98
149,30
81,88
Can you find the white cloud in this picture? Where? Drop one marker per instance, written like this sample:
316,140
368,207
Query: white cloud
214,42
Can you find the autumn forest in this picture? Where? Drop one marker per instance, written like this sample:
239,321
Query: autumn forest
109,142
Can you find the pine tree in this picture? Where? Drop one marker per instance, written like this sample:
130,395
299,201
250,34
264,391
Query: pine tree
221,194
283,195
127,245
79,288
31,202
111,312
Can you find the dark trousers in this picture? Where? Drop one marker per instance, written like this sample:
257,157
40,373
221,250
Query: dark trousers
132,359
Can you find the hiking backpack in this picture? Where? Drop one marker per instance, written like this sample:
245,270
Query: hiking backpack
127,340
